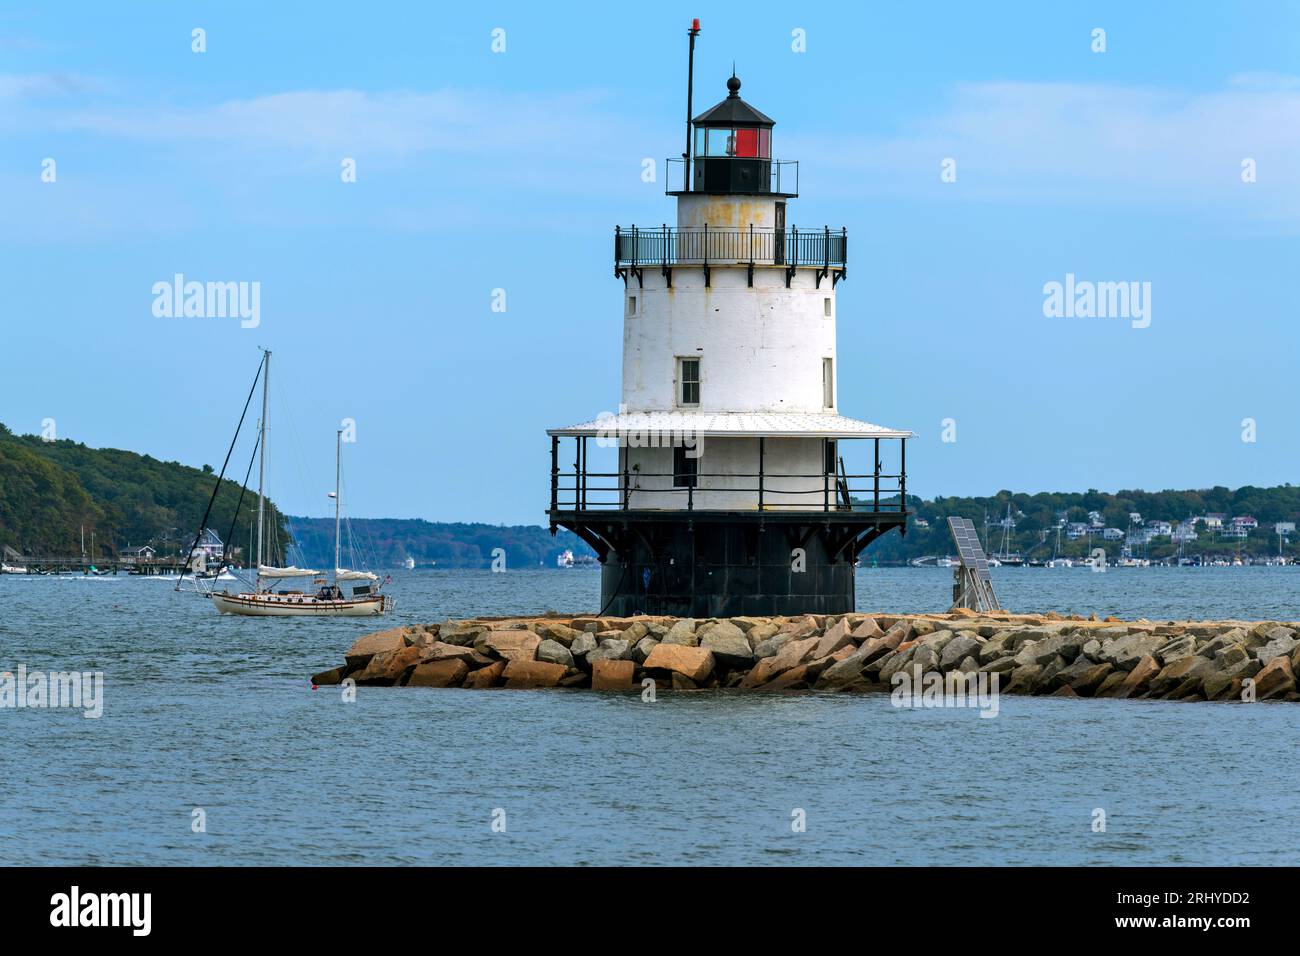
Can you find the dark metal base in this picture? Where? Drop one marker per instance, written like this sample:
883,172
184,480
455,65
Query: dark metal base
724,564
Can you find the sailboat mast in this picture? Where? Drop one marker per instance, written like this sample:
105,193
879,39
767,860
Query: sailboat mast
261,462
338,475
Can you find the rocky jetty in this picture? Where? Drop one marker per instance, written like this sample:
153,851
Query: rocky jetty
1031,654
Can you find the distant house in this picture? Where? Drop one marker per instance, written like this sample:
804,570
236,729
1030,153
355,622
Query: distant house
1214,521
1077,529
209,545
1245,521
1159,529
1062,517
144,553
1112,534
1284,527
1096,520
1185,531
921,523
1234,531
1134,517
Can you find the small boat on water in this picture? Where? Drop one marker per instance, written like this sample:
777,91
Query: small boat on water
409,563
13,569
327,596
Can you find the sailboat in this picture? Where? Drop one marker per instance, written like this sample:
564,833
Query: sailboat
1007,556
327,597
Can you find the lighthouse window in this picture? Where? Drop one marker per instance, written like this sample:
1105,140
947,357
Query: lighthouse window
826,306
631,305
734,142
828,383
688,373
685,468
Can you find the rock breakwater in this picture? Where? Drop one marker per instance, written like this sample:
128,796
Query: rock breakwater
1030,654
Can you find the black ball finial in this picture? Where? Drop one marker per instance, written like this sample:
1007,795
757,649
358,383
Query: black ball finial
733,86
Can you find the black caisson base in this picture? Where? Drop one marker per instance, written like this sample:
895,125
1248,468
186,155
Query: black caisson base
727,564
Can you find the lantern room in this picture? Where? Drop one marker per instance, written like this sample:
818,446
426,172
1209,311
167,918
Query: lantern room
732,148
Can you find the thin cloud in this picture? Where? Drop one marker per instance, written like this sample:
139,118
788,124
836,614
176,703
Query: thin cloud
1088,143
43,85
395,124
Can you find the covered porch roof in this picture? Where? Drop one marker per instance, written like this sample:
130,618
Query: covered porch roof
693,423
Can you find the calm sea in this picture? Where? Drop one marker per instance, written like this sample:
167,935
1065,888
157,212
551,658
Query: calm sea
211,713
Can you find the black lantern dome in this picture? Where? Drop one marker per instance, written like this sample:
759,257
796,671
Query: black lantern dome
733,148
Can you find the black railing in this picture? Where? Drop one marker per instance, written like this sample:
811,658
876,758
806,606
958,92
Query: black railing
581,489
577,490
754,245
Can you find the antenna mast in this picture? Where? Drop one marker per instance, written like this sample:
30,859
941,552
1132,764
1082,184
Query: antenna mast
693,32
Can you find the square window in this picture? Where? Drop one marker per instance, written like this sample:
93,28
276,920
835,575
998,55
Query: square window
688,374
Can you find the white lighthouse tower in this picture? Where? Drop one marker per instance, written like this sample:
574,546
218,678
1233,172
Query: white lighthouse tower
729,492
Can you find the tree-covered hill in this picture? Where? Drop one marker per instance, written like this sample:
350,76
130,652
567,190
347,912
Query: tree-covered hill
388,542
42,506
1036,517
51,490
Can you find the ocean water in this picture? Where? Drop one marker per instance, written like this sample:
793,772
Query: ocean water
211,713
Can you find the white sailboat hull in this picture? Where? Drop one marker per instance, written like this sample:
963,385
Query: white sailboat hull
298,605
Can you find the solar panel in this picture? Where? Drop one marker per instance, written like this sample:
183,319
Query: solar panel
974,564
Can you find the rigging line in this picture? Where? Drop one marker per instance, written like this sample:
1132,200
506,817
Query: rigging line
369,552
362,563
198,535
238,504
298,458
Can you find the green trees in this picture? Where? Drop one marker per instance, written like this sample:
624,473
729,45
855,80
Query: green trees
387,542
50,490
1036,516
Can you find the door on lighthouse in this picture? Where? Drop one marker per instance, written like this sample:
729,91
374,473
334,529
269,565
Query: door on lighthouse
778,237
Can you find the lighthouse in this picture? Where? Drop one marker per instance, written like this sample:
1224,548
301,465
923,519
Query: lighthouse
727,482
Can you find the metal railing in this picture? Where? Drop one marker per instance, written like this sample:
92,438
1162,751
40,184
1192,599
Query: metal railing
581,490
754,245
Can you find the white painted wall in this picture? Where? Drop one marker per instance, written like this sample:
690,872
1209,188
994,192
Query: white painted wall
726,212
760,348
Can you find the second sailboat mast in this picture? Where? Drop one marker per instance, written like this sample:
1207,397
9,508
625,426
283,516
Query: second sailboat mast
338,490
261,463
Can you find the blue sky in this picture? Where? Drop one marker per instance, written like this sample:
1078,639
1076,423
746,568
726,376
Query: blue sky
479,170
